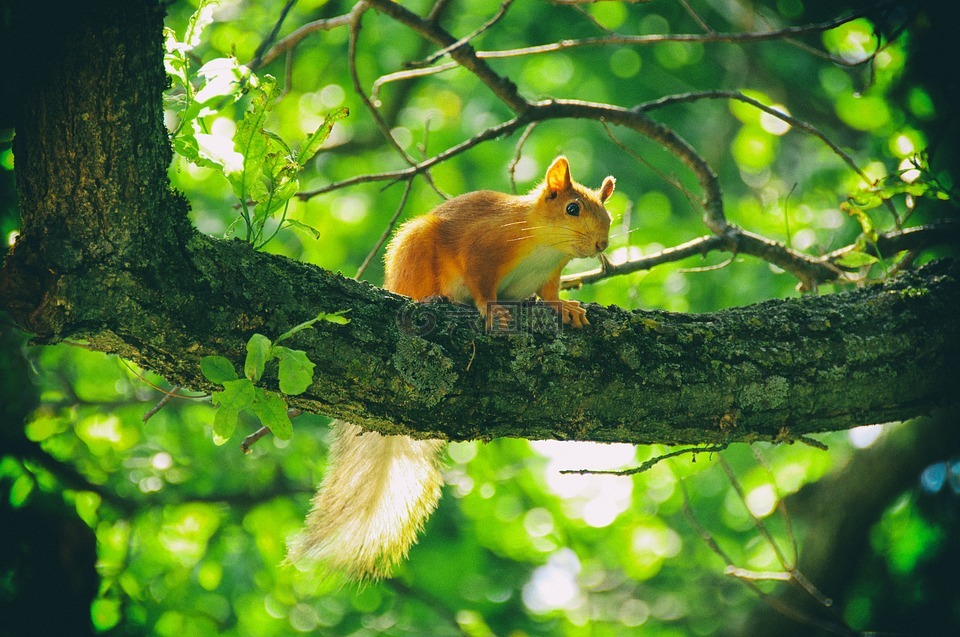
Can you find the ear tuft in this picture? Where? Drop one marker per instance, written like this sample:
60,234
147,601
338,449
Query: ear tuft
607,188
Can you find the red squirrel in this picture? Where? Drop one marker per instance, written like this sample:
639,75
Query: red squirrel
483,247
486,246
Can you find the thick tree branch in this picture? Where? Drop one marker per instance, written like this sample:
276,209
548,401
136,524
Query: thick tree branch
115,262
770,371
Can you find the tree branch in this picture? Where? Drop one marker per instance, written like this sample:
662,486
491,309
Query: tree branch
119,266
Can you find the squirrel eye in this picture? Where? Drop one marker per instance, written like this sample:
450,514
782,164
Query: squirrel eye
573,209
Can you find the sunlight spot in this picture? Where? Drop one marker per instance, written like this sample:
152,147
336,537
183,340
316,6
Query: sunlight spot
103,428
538,522
634,612
803,239
553,586
303,618
150,484
910,174
527,170
596,499
349,208
220,150
863,437
903,145
934,477
12,237
773,124
462,452
162,461
332,95
762,500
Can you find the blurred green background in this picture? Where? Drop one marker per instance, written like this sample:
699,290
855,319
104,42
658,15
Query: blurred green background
174,536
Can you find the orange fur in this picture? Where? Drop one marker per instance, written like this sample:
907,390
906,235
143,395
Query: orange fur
488,246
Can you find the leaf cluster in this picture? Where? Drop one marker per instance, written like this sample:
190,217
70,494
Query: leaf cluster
259,165
295,374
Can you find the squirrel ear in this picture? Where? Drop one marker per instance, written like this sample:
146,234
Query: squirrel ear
607,188
558,176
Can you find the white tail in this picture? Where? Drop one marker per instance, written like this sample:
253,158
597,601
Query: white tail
372,503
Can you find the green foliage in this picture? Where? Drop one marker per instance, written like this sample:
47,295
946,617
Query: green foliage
295,373
260,167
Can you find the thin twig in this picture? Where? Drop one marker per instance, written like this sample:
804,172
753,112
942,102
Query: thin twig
512,168
757,520
638,40
774,603
291,41
407,75
673,181
355,23
464,40
161,404
696,17
493,132
736,95
649,464
250,440
258,56
386,231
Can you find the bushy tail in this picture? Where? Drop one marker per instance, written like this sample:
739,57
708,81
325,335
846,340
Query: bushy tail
374,500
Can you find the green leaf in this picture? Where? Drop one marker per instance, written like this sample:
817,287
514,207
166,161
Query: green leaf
252,143
856,260
866,224
217,369
223,78
224,424
311,145
20,490
258,353
336,317
272,411
297,225
237,395
296,370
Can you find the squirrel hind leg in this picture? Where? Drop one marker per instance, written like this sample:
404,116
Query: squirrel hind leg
376,497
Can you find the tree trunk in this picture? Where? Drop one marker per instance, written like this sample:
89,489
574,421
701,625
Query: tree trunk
107,255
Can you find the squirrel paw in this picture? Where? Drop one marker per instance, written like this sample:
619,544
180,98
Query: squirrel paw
571,312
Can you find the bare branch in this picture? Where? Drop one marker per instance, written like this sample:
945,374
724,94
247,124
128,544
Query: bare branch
501,86
447,49
493,132
736,95
387,230
267,41
641,40
407,75
527,132
291,41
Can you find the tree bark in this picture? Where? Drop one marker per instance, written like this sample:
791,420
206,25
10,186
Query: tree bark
107,255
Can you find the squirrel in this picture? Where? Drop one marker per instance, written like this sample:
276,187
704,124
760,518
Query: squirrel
481,247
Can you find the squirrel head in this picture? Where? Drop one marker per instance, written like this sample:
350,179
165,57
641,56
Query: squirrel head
576,219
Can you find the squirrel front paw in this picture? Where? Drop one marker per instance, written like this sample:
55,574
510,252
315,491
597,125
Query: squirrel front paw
571,312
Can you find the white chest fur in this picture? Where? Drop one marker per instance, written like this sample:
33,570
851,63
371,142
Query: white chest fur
530,274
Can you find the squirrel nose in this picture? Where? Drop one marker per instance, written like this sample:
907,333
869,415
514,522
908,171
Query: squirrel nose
602,245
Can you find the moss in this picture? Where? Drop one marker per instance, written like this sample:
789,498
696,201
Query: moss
427,370
771,394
